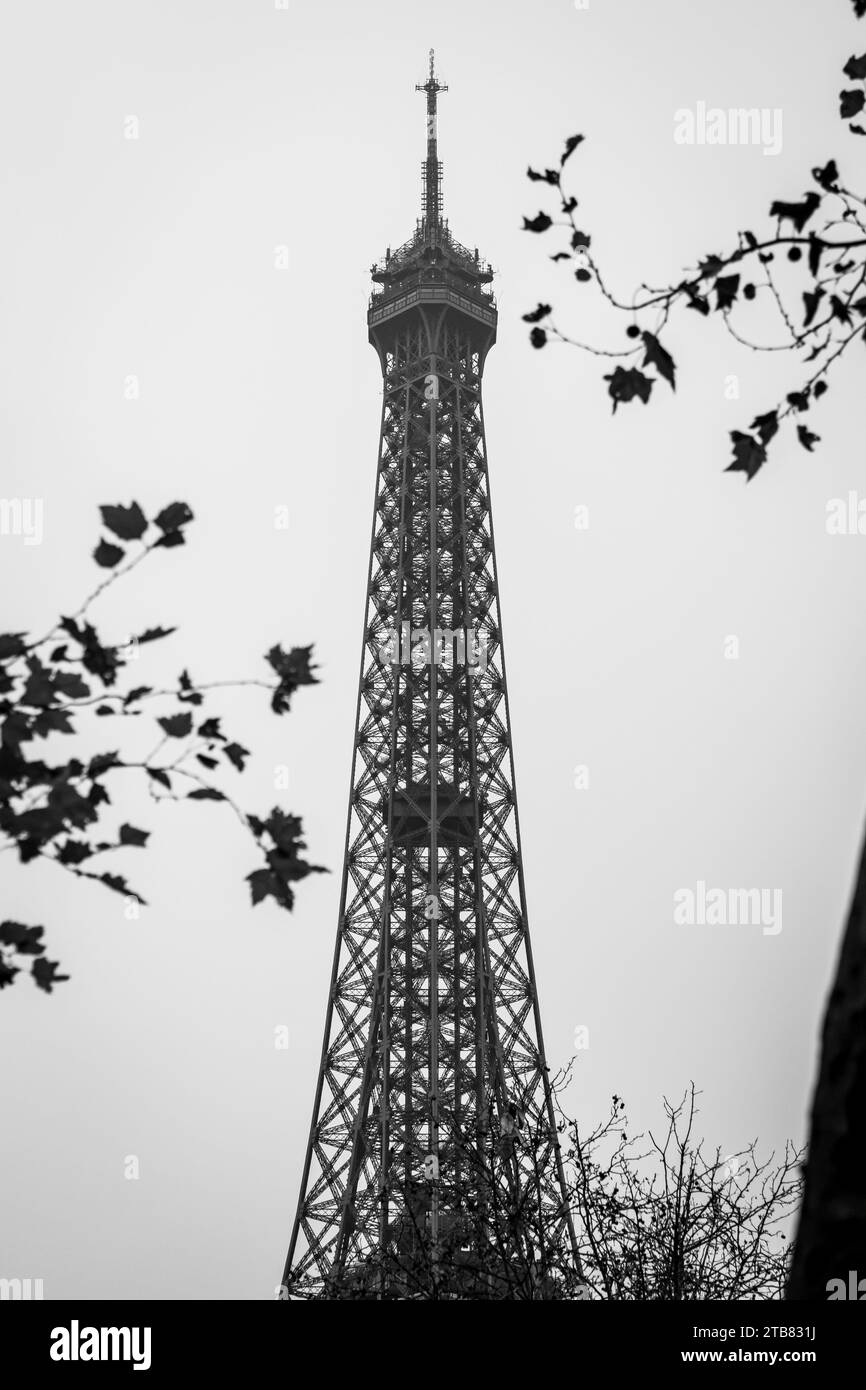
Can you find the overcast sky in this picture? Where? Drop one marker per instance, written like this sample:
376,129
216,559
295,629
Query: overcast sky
260,128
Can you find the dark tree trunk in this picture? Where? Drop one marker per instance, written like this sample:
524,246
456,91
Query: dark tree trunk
831,1237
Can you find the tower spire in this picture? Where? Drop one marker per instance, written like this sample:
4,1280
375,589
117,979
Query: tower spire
431,205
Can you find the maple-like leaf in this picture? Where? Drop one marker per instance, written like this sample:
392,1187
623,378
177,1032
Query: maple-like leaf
627,382
294,669
127,523
749,455
657,356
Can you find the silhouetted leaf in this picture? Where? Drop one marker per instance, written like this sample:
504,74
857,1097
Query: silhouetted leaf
12,644
172,517
45,974
766,425
549,175
726,290
176,725
851,103
24,940
828,176
536,315
52,721
798,213
749,455
294,669
537,224
188,693
127,523
236,755
816,247
108,555
263,884
696,301
74,852
626,383
7,973
118,884
130,835
811,299
658,357
839,309
571,145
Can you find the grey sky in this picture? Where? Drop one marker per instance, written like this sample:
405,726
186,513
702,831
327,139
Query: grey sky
261,128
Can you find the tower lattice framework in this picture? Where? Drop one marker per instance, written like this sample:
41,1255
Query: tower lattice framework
432,1162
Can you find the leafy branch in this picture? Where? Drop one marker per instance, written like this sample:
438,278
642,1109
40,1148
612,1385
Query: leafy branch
816,295
55,810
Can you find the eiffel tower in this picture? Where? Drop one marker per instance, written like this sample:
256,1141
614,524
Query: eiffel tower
432,1167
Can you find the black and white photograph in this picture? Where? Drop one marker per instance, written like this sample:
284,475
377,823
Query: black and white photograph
343,958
